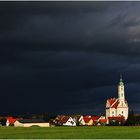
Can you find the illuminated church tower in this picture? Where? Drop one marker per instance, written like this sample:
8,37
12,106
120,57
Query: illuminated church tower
116,107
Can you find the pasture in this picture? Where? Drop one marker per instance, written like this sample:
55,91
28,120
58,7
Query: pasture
82,132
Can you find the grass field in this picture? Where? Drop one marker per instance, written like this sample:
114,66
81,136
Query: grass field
106,132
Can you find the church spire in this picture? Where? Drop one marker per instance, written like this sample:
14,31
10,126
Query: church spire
121,81
121,95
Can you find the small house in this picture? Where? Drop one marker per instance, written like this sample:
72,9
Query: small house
64,120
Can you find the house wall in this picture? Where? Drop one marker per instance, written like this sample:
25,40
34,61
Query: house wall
36,124
18,124
7,123
81,121
70,122
90,122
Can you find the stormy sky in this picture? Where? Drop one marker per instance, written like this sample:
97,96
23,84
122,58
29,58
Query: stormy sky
66,57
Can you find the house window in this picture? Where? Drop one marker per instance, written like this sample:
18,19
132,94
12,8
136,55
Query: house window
112,112
122,112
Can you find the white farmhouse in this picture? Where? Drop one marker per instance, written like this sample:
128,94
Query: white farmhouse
26,122
69,122
64,120
30,123
116,107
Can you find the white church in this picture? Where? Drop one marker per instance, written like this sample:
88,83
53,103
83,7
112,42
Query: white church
117,107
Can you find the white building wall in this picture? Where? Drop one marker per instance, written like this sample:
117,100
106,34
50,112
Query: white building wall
107,113
123,111
7,123
113,112
18,124
81,121
70,122
36,124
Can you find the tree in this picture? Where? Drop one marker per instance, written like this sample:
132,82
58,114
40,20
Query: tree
132,119
3,121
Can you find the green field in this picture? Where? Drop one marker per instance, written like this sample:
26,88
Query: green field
91,132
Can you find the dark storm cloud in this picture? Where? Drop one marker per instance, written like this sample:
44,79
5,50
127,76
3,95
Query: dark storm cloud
73,26
67,56
77,25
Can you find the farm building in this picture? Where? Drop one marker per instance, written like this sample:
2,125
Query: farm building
10,121
64,120
26,122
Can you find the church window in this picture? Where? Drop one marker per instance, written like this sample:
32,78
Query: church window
122,112
112,112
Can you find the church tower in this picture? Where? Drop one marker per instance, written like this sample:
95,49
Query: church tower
122,108
121,95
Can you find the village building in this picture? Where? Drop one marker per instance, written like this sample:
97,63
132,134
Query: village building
117,107
85,120
92,120
64,120
26,122
10,121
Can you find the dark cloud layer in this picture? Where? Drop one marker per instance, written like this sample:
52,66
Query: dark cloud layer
66,57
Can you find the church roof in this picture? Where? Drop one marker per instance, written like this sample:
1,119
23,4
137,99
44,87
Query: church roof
113,102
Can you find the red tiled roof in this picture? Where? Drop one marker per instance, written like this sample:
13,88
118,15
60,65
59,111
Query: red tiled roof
103,120
95,118
62,118
11,120
111,101
86,118
115,104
